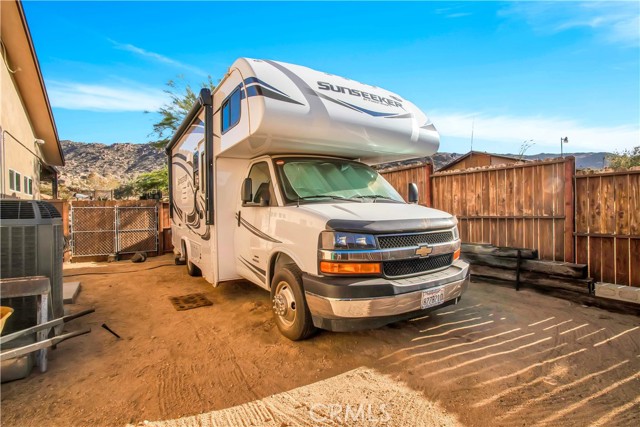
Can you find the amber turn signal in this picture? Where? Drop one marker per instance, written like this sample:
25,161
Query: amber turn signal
349,267
456,254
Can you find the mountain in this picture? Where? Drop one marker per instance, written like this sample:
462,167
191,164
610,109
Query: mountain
583,160
92,166
95,166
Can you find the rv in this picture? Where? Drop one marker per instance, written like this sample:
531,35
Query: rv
270,180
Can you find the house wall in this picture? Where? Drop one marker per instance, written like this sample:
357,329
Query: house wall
17,140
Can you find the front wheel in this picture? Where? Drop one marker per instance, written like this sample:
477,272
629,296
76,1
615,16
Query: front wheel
192,269
290,309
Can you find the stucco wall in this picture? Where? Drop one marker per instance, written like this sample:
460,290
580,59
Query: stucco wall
16,129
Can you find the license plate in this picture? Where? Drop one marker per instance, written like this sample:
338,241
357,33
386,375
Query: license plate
432,297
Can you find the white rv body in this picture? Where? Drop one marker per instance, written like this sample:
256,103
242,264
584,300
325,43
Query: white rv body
266,118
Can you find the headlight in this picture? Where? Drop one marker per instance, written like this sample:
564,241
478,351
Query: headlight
339,240
456,234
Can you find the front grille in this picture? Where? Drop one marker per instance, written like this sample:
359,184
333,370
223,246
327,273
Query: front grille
407,267
407,240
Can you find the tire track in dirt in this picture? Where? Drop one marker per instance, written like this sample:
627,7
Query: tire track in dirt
380,401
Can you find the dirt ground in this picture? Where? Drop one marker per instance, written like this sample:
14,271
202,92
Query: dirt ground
500,357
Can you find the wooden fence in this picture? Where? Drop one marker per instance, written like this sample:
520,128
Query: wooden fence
589,219
401,177
527,205
608,226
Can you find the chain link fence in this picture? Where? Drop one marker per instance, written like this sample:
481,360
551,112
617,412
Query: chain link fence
97,231
137,229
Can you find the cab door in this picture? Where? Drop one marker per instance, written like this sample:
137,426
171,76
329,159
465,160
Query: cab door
253,241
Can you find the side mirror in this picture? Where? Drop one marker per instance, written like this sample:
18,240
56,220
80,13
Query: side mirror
247,195
413,192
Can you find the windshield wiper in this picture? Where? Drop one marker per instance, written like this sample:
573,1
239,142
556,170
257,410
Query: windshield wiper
330,196
374,197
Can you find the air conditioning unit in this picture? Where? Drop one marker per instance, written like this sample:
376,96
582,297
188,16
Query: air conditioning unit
31,244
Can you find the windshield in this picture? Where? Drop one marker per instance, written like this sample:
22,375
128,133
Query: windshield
318,179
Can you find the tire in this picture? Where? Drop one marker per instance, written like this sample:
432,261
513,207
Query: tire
192,269
290,310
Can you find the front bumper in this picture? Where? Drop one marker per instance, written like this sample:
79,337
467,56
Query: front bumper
341,304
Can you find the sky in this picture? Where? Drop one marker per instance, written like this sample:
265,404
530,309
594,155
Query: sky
507,72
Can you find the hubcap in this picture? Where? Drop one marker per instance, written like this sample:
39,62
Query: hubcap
284,303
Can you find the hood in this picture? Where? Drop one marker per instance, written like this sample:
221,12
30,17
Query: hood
380,217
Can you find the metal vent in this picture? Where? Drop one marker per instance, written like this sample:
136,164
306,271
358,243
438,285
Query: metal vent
16,209
18,247
47,210
32,244
408,240
414,266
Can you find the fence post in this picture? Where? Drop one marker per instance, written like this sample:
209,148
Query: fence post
569,209
428,171
159,224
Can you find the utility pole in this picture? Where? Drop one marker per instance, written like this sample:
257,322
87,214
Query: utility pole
563,141
472,126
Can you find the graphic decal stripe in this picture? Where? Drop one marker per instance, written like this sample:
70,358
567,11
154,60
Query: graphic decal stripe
359,109
261,271
336,101
400,116
315,104
180,165
257,232
371,112
258,275
250,80
268,93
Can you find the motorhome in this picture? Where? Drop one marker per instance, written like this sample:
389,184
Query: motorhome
271,181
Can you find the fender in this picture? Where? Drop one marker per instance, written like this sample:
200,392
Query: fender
272,260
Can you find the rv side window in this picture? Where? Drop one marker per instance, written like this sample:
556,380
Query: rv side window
260,182
196,169
231,110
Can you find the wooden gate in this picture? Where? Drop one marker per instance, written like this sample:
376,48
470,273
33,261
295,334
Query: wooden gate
608,225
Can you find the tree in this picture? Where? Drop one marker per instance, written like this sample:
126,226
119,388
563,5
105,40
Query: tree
624,159
181,98
125,191
524,147
152,181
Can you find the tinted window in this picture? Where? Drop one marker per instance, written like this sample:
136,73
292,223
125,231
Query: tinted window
12,180
231,110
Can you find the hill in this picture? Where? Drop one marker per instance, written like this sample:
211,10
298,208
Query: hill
92,166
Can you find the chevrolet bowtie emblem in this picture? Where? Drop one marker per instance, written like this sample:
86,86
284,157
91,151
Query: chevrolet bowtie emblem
424,251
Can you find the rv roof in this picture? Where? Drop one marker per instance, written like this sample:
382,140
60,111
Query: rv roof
289,108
